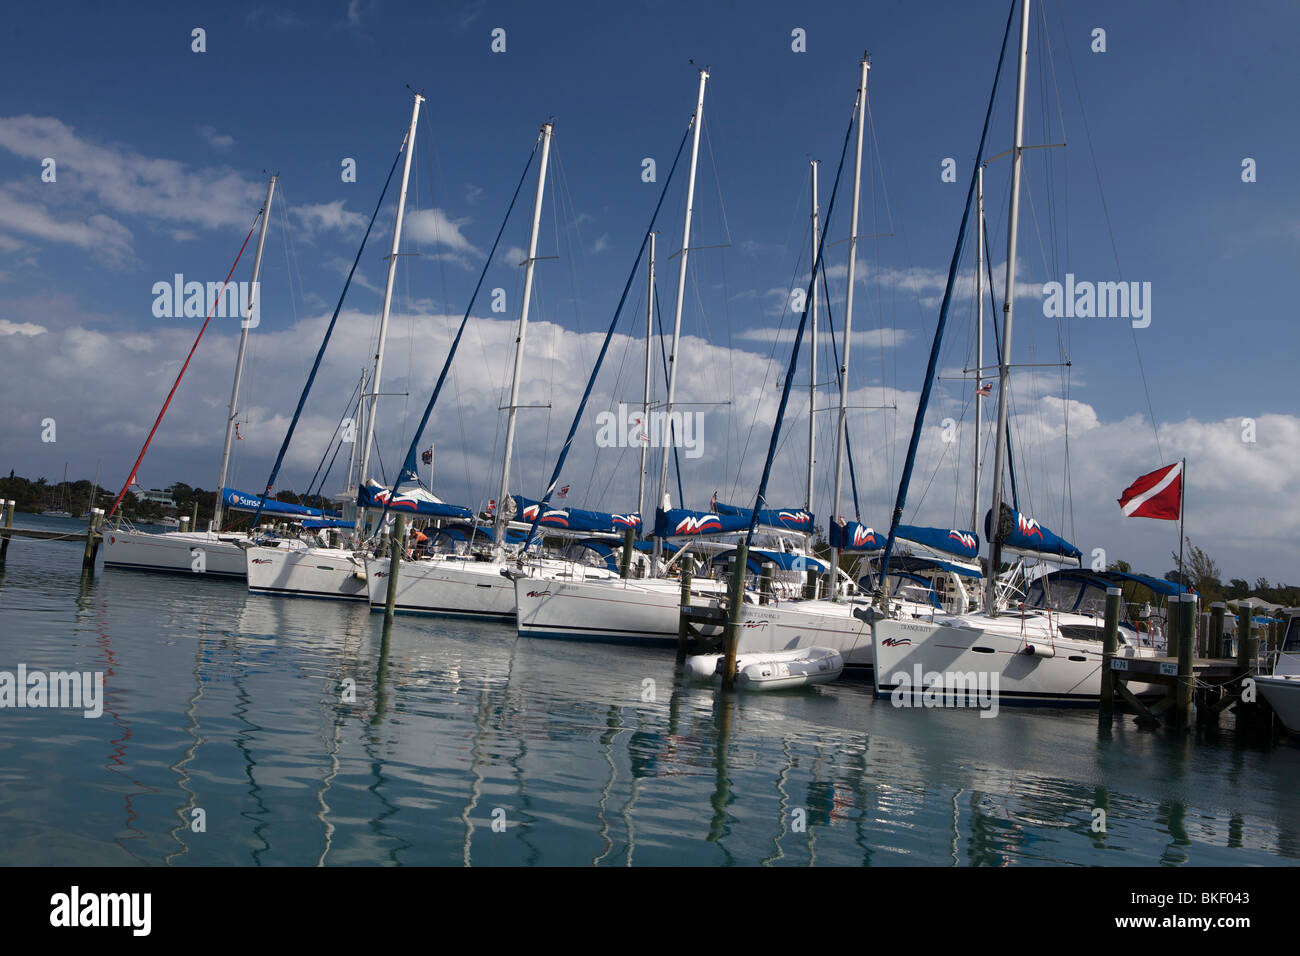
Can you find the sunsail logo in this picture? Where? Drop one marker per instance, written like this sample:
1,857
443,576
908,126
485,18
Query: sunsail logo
698,525
965,540
1030,528
74,909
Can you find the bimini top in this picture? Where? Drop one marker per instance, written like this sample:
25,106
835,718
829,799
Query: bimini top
916,564
1078,589
784,560
575,519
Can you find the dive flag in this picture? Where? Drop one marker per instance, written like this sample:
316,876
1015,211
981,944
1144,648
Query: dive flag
427,456
1155,495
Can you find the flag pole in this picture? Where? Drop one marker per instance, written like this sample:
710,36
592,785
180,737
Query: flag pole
1182,517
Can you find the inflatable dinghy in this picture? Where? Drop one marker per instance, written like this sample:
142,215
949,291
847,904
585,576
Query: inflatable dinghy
772,670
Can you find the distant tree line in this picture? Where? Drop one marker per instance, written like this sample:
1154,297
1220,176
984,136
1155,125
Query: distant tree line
74,496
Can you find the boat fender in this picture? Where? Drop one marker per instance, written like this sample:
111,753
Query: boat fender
1039,650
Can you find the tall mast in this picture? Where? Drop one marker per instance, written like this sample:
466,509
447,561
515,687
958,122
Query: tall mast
1008,303
698,121
357,424
645,396
812,363
500,531
979,340
375,378
842,427
239,360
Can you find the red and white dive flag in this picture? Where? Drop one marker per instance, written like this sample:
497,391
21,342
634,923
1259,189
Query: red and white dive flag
1156,495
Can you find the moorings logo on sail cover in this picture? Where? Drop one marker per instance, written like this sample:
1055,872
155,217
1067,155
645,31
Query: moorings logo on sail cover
179,299
632,429
946,689
70,690
1075,299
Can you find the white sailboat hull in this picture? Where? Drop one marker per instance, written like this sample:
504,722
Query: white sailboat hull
800,625
326,573
449,587
175,552
1283,695
633,611
995,649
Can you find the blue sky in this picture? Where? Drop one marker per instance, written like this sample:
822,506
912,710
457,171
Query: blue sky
165,150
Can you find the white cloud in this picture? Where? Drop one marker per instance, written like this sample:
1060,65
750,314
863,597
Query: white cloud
327,216
436,227
103,236
21,328
129,183
213,138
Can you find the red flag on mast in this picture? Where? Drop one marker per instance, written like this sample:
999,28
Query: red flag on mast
1155,495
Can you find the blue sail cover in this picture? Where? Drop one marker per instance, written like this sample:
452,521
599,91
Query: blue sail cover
238,501
575,519
854,536
458,533
961,544
1029,537
681,523
792,519
415,501
784,560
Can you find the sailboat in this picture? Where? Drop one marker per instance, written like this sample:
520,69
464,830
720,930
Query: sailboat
294,567
574,602
61,511
211,552
1037,655
841,620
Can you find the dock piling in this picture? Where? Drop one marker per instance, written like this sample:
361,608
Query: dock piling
92,540
1110,642
625,565
9,523
681,618
1215,646
1186,647
765,582
394,562
736,600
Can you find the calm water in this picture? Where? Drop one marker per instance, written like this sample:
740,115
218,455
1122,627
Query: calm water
467,745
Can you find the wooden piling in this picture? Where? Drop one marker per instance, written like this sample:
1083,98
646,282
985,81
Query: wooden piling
1186,647
681,619
185,523
810,585
1109,644
9,523
1245,656
1173,608
736,599
625,566
194,515
1215,645
92,540
765,583
394,562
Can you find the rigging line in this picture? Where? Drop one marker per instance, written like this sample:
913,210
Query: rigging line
760,500
346,408
919,420
663,355
181,374
1105,209
320,354
609,334
848,445
408,470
